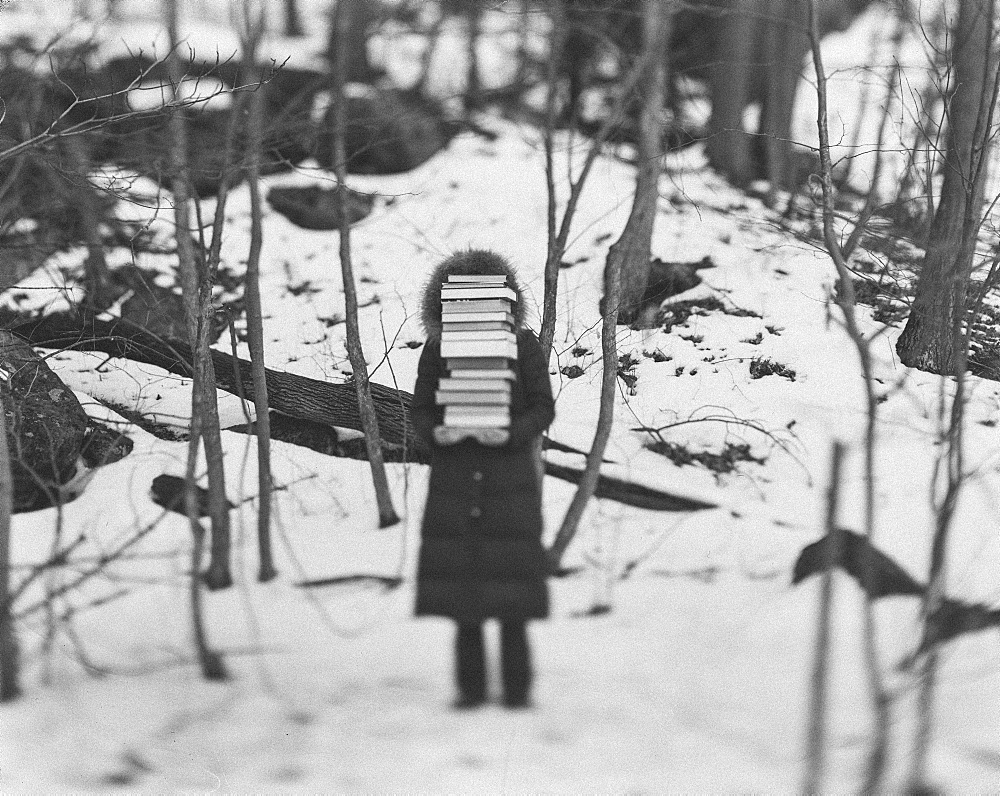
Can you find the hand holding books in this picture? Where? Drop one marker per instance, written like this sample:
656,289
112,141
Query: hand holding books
491,437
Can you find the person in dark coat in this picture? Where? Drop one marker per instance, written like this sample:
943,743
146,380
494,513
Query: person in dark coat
481,555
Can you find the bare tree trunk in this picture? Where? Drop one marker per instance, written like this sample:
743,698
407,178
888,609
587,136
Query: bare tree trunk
816,743
212,667
252,31
97,277
605,416
631,251
473,82
729,148
293,19
953,460
845,298
784,48
928,341
558,231
354,16
369,420
433,37
197,289
523,37
10,687
557,43
923,152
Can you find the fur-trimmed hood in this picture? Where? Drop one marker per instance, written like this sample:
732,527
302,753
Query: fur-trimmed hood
470,261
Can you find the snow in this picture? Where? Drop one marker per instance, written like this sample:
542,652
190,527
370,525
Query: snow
696,680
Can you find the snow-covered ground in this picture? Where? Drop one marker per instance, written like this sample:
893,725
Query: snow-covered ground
696,680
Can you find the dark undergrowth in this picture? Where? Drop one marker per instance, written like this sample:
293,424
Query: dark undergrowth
723,462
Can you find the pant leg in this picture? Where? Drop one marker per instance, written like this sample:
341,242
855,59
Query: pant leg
515,662
470,662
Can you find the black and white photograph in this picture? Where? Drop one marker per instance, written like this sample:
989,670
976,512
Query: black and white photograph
500,397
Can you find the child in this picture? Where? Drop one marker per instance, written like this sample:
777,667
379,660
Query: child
481,555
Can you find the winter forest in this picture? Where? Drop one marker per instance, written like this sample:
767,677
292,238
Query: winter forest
754,249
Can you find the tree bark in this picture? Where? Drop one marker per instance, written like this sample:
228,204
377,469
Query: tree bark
97,277
929,341
369,420
729,148
845,297
192,283
631,252
816,740
10,687
558,232
293,19
197,289
605,416
473,84
253,32
353,16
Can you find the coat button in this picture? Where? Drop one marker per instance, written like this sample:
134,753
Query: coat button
475,511
477,476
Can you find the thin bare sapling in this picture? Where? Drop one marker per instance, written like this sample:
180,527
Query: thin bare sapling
196,287
251,24
369,419
559,227
977,69
846,301
10,685
820,685
648,75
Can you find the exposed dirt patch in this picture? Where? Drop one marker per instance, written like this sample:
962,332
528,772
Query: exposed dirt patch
678,313
759,368
726,460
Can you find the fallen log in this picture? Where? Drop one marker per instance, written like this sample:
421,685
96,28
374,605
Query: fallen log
629,493
301,397
46,426
289,393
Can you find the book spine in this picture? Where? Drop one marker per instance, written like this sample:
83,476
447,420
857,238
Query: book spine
448,336
478,348
492,279
449,306
476,398
477,422
476,416
459,293
496,368
467,384
473,326
480,317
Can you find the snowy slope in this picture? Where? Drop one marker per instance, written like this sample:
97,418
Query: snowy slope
697,678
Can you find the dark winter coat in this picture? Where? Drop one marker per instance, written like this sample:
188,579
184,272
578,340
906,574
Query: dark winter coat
481,553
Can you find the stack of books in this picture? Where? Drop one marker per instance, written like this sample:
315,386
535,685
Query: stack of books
477,344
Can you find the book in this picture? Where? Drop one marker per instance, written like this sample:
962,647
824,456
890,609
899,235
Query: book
449,306
471,416
478,375
449,293
498,336
462,384
479,348
494,410
492,364
473,397
477,326
478,278
480,317
477,422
